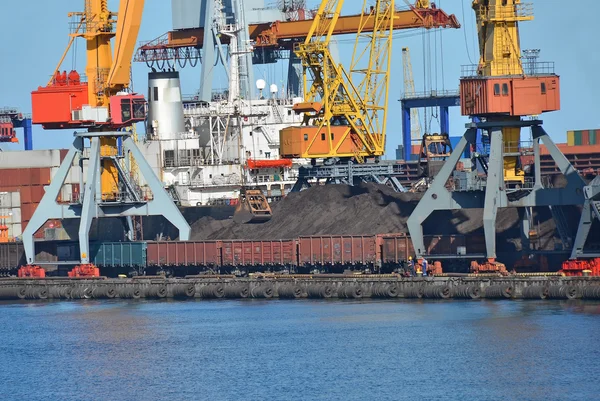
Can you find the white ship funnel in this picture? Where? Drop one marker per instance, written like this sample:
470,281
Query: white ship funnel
165,106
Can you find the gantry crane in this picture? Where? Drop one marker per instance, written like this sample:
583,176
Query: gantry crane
105,106
503,97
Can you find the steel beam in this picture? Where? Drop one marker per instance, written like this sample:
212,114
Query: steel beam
437,197
209,54
495,196
48,206
441,102
493,191
92,206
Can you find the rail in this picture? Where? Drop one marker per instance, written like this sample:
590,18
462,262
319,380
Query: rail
528,68
508,13
430,94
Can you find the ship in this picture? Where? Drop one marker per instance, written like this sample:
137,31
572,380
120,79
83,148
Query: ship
205,152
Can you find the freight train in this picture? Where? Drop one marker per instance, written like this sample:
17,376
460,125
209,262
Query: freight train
384,253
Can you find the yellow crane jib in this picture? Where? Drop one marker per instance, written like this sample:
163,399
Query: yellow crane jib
345,111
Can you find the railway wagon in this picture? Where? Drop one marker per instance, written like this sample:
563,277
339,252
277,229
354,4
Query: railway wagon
278,253
337,252
395,249
12,254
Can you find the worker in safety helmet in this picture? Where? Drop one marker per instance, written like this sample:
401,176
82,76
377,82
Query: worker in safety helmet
411,266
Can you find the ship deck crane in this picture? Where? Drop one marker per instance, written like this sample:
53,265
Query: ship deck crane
105,106
503,98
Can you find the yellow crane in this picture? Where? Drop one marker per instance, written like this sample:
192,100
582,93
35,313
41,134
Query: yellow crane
344,118
102,103
500,56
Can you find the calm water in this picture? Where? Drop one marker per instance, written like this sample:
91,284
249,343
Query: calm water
299,350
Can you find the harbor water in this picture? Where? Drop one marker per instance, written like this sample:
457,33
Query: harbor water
299,350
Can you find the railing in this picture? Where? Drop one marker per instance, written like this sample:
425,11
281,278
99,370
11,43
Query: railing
519,147
430,94
538,68
514,12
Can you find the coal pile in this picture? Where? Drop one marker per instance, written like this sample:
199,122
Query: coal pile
366,209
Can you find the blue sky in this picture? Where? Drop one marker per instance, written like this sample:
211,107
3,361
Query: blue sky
37,33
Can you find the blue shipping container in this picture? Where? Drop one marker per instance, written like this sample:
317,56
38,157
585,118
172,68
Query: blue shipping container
118,254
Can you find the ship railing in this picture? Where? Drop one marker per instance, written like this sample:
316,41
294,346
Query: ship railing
430,94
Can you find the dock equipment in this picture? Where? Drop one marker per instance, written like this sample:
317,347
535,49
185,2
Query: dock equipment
502,96
11,118
252,207
107,107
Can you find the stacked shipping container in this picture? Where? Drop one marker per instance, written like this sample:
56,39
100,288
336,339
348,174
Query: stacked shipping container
583,137
23,176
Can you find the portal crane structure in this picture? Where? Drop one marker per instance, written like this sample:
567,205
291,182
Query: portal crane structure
104,105
503,98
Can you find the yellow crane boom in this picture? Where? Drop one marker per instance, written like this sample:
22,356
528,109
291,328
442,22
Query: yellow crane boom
343,120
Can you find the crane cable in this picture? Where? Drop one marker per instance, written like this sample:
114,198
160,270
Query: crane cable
462,3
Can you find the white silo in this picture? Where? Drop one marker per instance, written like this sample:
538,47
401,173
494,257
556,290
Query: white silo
165,106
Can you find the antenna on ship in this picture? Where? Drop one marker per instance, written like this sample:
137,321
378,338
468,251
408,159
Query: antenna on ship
260,85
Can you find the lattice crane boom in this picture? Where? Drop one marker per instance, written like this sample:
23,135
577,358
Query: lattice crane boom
409,90
345,120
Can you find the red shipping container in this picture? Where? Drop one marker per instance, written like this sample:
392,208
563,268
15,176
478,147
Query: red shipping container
27,210
585,137
37,193
9,177
26,196
63,154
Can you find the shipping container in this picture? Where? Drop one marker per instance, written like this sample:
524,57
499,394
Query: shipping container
258,253
180,253
337,250
571,138
5,200
31,159
593,135
578,139
118,254
15,230
585,137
